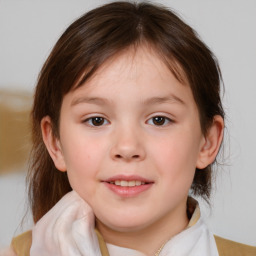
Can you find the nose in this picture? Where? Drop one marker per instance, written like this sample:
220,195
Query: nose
128,146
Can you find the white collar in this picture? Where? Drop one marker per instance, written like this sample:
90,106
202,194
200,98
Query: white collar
196,229
68,230
115,250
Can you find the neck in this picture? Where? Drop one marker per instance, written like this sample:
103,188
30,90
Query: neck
164,229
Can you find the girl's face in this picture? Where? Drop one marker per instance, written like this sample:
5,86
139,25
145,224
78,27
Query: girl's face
130,140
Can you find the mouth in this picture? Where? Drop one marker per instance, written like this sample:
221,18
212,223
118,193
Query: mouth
125,183
128,186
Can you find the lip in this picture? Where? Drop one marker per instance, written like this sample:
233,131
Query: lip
128,178
128,191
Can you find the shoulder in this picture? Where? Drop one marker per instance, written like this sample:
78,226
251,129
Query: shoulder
7,252
230,248
21,244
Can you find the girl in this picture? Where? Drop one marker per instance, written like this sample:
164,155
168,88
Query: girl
127,119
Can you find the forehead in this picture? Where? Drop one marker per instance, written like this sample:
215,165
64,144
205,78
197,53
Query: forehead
132,55
139,71
134,65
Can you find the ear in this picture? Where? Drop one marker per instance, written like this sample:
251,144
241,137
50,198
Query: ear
52,144
211,143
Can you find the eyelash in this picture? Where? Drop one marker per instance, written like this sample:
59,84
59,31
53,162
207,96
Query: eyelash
162,121
90,121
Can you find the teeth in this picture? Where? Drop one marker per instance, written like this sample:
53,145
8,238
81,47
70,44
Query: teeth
124,183
137,183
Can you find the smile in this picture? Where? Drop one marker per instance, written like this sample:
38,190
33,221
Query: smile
128,186
124,183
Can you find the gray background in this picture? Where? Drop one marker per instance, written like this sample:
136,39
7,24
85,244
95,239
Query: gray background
29,29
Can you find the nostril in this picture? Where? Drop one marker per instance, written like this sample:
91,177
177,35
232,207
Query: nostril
131,157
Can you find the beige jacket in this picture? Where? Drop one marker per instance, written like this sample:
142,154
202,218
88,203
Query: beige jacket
22,243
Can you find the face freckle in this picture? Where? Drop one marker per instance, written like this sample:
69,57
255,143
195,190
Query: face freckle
130,168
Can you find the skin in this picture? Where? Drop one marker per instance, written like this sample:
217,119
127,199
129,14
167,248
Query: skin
128,93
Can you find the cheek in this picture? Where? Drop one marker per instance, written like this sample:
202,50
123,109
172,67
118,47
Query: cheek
83,161
176,158
82,152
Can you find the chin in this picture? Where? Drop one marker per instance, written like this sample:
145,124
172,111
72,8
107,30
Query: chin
124,223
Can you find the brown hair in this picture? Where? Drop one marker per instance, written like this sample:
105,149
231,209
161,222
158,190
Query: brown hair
86,45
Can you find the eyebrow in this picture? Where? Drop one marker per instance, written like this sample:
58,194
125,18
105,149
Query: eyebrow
90,100
151,101
161,100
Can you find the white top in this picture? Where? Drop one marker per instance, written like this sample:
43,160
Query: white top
68,230
117,251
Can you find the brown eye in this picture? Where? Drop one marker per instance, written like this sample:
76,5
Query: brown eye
96,121
159,120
